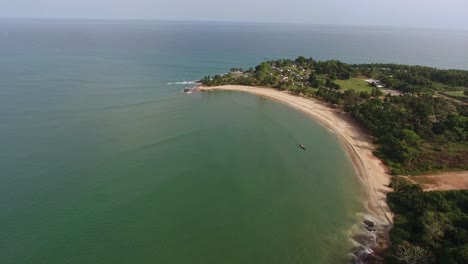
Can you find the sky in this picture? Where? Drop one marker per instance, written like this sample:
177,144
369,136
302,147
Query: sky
451,14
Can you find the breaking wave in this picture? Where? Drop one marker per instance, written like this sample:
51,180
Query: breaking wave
181,83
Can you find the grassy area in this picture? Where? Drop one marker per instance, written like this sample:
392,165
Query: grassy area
448,88
456,93
358,84
312,90
428,158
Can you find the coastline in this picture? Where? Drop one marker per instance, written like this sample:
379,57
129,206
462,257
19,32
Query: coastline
358,144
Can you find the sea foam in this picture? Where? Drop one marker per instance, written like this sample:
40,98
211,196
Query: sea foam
181,83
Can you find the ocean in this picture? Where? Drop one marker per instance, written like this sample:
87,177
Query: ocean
105,160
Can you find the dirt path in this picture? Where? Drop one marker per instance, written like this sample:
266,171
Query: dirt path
442,181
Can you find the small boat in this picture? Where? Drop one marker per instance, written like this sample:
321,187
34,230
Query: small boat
302,146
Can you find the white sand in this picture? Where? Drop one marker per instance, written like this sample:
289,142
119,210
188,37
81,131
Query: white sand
358,143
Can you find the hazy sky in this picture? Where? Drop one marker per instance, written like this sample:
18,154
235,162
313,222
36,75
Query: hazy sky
410,13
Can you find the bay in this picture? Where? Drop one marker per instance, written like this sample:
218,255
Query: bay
105,160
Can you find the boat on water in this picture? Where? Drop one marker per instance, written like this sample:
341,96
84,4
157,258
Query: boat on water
302,146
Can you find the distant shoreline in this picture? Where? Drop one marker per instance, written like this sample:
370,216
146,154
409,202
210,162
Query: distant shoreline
358,145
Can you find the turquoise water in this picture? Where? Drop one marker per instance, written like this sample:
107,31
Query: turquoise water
104,160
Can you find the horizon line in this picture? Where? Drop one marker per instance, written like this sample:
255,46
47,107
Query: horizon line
228,22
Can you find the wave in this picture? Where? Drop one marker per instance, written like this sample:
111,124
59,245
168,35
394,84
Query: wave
181,83
365,238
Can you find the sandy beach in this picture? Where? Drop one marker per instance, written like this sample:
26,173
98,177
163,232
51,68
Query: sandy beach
358,143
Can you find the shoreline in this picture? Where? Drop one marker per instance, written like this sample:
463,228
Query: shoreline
356,141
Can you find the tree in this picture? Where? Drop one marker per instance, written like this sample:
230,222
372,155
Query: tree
312,77
317,83
345,75
409,254
263,68
364,95
376,92
301,60
269,80
462,256
410,137
350,98
330,84
434,225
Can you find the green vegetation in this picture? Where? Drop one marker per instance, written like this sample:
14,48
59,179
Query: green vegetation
405,78
416,134
458,93
429,227
425,129
414,79
298,76
358,84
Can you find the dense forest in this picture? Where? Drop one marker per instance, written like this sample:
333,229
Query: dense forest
415,134
429,227
421,130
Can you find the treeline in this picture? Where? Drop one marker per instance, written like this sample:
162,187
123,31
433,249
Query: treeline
429,227
405,78
413,79
450,77
335,69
